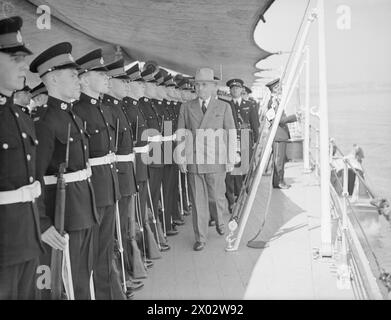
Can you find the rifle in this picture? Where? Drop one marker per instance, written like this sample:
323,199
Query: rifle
118,221
59,213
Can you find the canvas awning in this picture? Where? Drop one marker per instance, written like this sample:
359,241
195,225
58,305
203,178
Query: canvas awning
180,35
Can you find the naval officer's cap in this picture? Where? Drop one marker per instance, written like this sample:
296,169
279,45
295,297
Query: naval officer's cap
247,89
57,57
10,37
39,89
273,84
235,83
116,70
92,61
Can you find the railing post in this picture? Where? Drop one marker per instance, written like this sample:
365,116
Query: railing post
326,248
343,271
306,142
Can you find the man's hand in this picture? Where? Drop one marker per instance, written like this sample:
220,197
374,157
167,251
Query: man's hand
53,238
183,168
229,167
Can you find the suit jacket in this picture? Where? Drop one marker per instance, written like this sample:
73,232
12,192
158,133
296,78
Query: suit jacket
201,152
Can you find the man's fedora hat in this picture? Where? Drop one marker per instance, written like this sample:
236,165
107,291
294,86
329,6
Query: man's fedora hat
205,75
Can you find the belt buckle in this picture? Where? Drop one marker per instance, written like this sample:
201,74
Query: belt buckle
112,157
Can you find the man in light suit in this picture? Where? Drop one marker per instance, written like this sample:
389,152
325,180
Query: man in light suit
207,117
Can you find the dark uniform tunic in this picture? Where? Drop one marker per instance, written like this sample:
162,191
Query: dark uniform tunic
156,168
279,146
80,210
245,117
126,177
20,236
99,125
139,124
170,176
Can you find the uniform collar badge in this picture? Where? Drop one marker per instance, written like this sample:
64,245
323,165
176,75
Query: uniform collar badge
134,102
115,101
64,106
93,101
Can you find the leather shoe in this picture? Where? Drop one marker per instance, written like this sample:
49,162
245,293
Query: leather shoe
198,246
148,264
284,186
172,232
212,223
178,222
164,247
220,230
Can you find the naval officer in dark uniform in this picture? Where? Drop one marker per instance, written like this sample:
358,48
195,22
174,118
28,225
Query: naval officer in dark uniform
58,71
20,237
246,118
99,125
281,138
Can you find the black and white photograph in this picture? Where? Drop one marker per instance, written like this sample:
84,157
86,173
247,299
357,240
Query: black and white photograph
195,156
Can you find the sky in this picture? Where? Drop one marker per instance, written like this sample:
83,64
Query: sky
358,55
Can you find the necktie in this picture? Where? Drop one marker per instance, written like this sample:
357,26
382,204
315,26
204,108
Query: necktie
203,108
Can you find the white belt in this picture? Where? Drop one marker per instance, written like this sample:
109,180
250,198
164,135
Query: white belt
169,138
80,175
144,149
125,157
107,159
157,138
26,193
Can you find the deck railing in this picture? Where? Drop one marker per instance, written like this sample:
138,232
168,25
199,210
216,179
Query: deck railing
353,266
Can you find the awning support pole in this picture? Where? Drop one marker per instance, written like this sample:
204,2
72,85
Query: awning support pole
326,247
306,142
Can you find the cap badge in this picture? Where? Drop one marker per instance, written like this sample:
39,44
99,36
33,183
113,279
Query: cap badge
71,58
19,37
3,100
101,60
64,106
134,102
115,101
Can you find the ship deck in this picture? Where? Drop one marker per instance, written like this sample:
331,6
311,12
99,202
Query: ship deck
287,268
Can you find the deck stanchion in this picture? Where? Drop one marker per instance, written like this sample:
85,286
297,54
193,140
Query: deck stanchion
306,142
326,247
